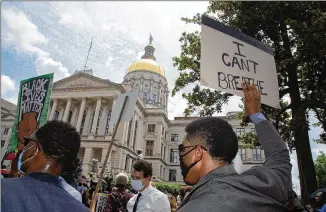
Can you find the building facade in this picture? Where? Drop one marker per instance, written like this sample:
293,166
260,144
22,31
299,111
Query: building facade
8,114
86,101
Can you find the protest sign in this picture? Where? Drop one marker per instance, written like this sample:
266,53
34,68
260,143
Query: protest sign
128,109
32,109
229,57
102,201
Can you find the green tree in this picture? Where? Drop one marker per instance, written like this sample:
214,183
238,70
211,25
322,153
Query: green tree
320,164
296,32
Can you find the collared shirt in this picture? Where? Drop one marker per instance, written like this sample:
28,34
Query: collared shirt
150,200
257,118
37,192
81,188
71,190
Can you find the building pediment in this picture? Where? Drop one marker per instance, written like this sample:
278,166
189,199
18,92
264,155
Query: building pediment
82,80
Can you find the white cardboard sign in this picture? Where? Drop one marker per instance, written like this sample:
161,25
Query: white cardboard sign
102,201
229,57
128,110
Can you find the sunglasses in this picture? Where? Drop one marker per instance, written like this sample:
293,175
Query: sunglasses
28,139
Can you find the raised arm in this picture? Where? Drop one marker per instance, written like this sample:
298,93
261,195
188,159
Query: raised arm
276,152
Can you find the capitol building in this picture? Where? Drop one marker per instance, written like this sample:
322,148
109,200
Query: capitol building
86,102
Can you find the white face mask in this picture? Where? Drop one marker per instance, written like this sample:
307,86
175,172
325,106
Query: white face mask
137,184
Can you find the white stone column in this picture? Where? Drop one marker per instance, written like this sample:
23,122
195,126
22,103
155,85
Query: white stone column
157,143
103,120
73,118
95,118
124,133
62,110
67,110
53,109
166,98
81,114
159,94
104,151
88,120
113,104
87,160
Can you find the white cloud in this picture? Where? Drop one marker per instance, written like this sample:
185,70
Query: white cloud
25,37
45,65
7,84
22,34
9,90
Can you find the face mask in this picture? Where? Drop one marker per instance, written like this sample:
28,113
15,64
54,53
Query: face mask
184,168
20,163
137,185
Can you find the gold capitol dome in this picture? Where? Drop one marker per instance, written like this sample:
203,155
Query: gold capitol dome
147,61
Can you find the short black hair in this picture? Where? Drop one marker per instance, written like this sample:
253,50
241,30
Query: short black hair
72,172
216,135
59,141
144,166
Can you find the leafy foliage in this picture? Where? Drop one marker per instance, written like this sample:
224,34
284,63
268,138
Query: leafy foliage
320,164
168,187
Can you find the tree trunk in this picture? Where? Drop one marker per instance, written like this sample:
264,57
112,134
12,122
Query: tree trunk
307,173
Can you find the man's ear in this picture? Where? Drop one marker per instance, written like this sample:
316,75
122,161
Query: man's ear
198,153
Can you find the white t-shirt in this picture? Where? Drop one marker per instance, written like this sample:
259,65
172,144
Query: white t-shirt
151,199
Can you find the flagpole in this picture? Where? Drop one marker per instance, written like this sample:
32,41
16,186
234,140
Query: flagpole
90,46
95,193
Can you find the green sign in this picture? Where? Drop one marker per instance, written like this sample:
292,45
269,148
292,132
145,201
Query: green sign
32,109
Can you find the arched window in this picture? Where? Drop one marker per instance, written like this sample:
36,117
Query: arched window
107,123
135,135
98,120
56,115
83,123
129,132
70,116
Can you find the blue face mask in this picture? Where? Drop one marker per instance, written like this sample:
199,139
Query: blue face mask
20,163
137,185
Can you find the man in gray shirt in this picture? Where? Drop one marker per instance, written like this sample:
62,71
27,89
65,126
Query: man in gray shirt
205,160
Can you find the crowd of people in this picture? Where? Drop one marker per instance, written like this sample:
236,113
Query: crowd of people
48,174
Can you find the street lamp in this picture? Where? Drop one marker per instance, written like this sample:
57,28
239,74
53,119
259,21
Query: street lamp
94,164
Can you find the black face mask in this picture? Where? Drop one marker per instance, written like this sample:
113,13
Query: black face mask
184,168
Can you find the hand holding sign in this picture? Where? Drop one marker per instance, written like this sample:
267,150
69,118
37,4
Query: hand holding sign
251,98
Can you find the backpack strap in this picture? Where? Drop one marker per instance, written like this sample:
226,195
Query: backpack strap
115,196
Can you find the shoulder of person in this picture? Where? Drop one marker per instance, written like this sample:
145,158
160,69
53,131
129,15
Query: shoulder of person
11,183
160,196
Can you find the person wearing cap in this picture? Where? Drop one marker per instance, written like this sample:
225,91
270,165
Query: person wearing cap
119,197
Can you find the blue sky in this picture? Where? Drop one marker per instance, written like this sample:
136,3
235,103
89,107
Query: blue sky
45,37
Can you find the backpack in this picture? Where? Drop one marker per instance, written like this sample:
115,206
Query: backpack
120,202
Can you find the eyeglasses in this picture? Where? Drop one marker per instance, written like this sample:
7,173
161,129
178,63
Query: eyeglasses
182,147
28,139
